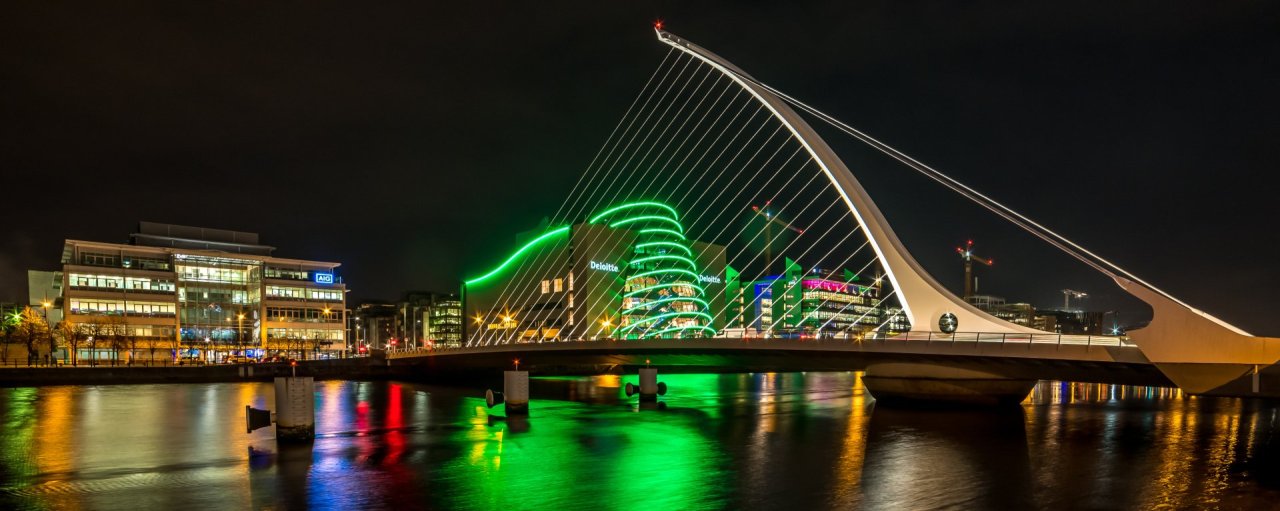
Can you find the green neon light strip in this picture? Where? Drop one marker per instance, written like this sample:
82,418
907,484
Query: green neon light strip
642,218
665,330
545,236
668,244
667,284
665,315
692,265
646,204
677,234
666,300
664,270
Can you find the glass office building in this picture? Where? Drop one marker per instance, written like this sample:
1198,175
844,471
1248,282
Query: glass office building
176,291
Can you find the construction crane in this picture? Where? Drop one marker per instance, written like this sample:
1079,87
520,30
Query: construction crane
970,281
769,220
1068,294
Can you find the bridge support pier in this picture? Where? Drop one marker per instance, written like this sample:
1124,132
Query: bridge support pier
900,383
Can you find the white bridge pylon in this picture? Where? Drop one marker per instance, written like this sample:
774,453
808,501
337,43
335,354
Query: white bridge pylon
924,300
1195,350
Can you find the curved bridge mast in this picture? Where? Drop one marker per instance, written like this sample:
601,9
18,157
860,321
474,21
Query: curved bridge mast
924,299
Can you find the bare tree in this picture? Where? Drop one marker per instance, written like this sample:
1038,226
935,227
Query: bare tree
129,341
97,331
117,331
72,336
300,345
175,343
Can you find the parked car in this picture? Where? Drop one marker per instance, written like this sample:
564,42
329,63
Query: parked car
190,361
235,359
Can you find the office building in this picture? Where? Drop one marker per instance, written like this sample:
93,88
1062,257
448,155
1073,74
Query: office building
178,291
431,319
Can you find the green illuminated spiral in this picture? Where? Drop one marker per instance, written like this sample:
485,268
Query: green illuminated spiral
662,297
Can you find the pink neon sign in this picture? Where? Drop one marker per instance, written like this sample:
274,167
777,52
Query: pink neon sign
825,285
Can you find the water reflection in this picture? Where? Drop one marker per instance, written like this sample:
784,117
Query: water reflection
762,440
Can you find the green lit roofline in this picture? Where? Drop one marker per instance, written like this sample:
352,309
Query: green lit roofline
644,218
666,315
678,328
664,271
668,244
666,300
675,233
666,284
528,246
629,205
661,257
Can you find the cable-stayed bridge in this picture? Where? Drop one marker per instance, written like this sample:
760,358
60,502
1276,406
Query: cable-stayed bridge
661,253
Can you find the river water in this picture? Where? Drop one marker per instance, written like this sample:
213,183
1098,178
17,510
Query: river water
765,441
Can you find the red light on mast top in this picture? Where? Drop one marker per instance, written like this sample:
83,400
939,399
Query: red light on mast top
657,24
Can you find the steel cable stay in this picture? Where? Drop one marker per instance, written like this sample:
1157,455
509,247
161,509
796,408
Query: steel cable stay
531,294
574,209
619,190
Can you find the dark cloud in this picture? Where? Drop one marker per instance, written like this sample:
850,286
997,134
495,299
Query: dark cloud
359,133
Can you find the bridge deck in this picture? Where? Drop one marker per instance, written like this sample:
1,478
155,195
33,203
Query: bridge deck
1017,357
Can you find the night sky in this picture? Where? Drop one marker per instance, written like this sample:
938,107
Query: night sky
411,142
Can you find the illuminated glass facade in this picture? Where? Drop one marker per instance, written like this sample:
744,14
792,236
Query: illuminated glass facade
800,304
189,292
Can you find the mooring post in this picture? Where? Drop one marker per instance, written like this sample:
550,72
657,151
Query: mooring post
515,391
649,388
295,409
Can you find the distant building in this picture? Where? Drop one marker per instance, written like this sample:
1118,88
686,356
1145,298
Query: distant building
1071,322
795,303
377,325
430,319
208,293
44,291
1018,313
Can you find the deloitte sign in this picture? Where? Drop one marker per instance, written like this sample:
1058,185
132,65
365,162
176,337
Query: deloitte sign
709,279
609,267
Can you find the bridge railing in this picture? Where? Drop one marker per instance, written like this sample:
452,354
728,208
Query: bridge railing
887,337
1002,338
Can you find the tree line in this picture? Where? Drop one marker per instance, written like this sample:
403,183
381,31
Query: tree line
29,328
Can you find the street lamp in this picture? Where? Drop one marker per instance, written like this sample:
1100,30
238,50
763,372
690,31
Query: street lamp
240,330
44,312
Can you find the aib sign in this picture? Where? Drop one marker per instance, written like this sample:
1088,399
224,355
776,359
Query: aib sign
323,278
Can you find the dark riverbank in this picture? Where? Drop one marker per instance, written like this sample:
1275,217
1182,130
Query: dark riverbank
365,368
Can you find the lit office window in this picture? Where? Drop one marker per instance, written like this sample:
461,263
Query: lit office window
546,287
559,285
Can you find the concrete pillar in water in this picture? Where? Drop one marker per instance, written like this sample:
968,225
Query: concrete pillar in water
649,384
295,409
515,391
649,388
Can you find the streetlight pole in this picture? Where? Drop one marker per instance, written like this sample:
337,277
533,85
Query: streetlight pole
44,311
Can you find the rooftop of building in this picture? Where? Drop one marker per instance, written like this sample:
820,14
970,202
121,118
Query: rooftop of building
154,234
159,238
